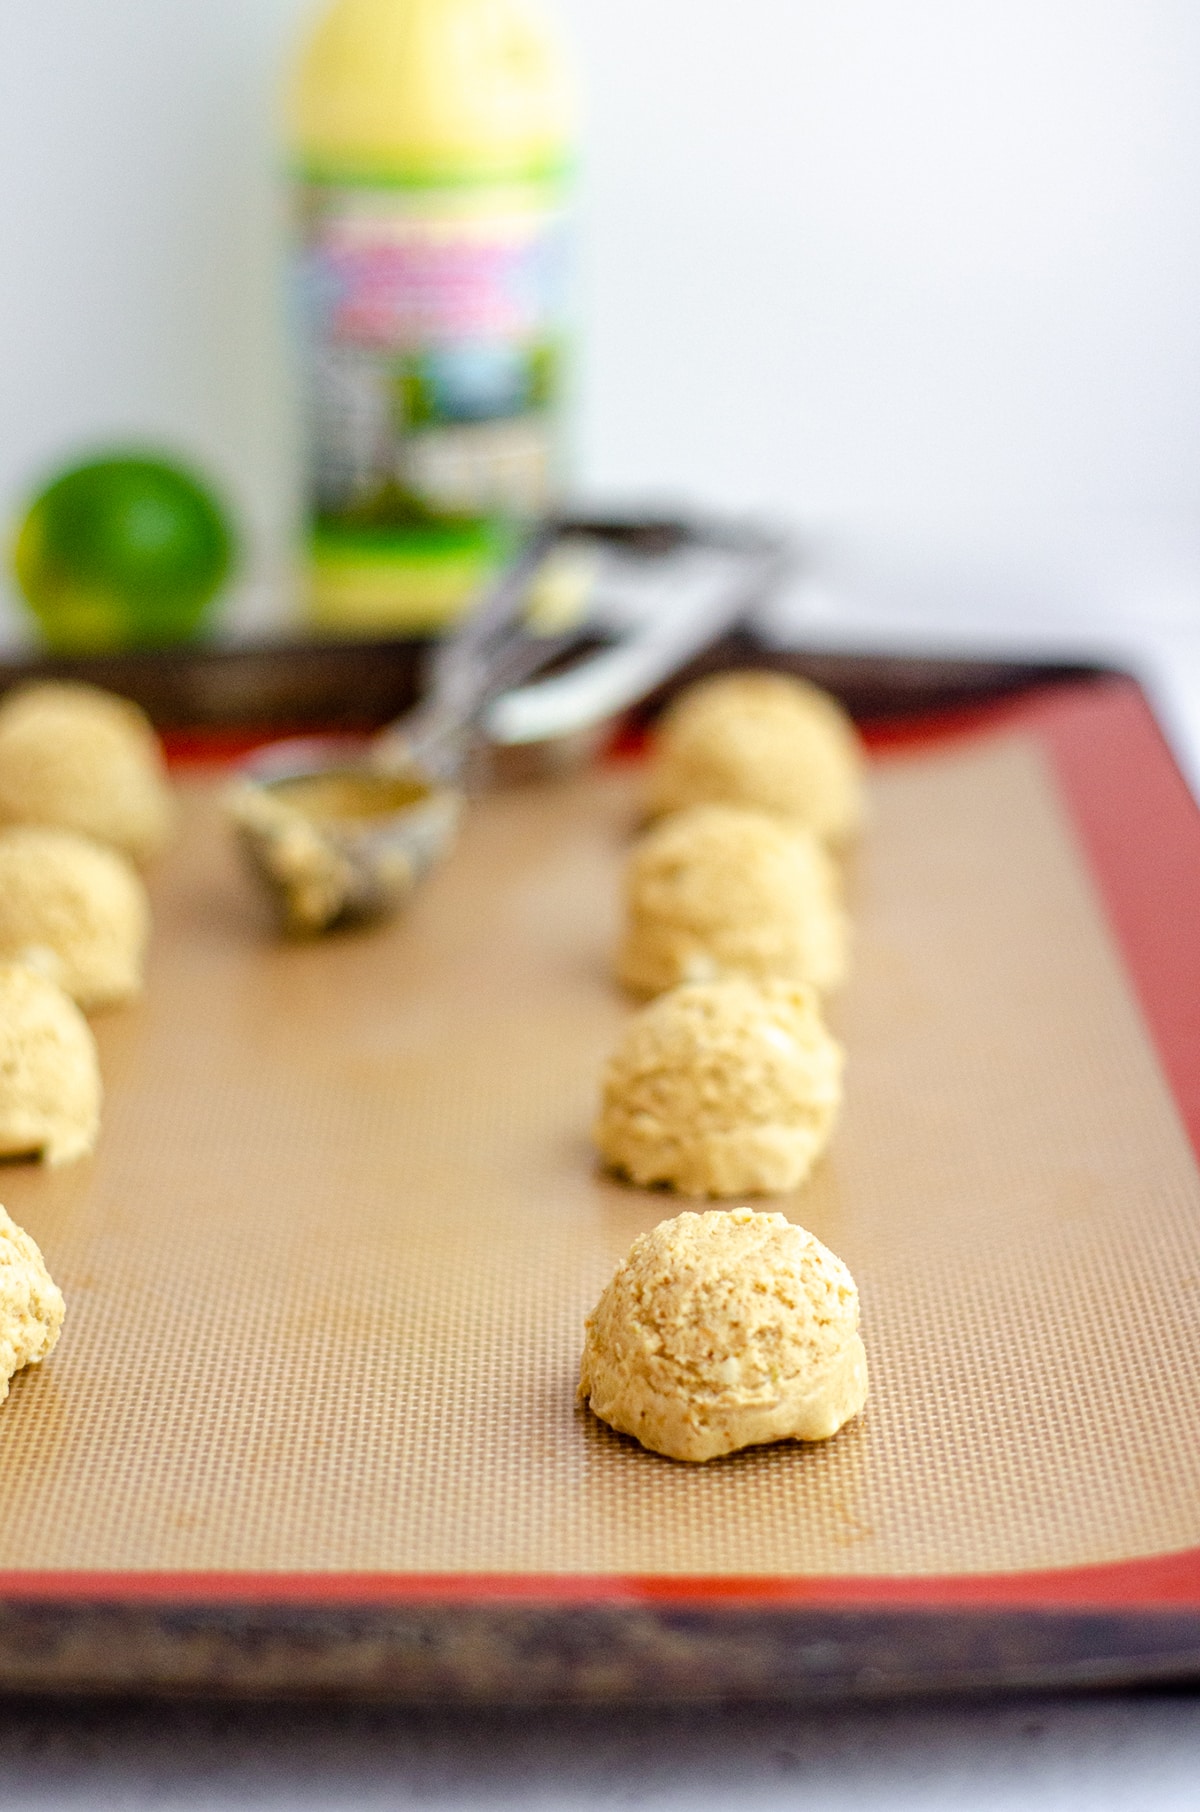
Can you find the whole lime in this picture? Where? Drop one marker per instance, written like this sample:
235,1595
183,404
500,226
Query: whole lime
122,552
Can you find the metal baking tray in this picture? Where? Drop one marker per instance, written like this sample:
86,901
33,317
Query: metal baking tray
311,1426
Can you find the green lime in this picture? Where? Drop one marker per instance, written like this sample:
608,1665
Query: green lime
123,552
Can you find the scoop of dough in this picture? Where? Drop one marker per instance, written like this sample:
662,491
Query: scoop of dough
49,1070
31,1304
73,910
723,1330
725,890
722,1088
85,760
764,739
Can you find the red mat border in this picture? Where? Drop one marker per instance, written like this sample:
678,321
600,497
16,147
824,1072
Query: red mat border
1140,830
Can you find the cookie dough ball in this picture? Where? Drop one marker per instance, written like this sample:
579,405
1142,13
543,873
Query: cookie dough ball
724,890
763,739
85,760
73,910
49,1071
722,1088
31,1304
723,1330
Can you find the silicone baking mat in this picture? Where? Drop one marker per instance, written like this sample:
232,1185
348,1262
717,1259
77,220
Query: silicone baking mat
327,1273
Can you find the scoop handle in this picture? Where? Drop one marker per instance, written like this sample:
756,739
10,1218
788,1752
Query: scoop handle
710,584
470,665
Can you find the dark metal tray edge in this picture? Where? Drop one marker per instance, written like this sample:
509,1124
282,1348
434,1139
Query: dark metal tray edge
579,1654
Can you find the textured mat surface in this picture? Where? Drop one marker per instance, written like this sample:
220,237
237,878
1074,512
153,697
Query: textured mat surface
327,1274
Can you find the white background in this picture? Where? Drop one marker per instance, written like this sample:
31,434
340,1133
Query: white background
922,276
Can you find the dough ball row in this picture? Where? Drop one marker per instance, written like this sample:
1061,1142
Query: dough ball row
84,797
735,924
730,1328
83,793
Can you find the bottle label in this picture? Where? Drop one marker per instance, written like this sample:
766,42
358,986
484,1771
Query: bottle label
433,320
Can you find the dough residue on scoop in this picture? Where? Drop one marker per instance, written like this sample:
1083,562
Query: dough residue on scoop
49,1070
74,910
31,1304
724,1330
728,890
761,739
85,760
722,1088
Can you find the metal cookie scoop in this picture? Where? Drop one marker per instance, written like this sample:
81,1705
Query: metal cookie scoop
336,838
342,843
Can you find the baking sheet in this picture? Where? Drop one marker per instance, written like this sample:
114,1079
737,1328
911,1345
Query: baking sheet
327,1273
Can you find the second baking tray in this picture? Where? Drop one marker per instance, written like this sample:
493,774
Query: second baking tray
311,1426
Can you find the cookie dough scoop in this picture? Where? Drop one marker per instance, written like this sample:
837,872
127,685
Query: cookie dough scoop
725,1330
722,1088
31,1304
726,890
49,1071
577,629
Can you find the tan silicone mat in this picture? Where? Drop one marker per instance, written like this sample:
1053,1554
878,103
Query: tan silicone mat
327,1274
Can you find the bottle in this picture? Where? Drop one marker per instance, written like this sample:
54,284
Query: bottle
432,143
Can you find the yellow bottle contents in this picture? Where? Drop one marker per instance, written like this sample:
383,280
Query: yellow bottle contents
432,143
